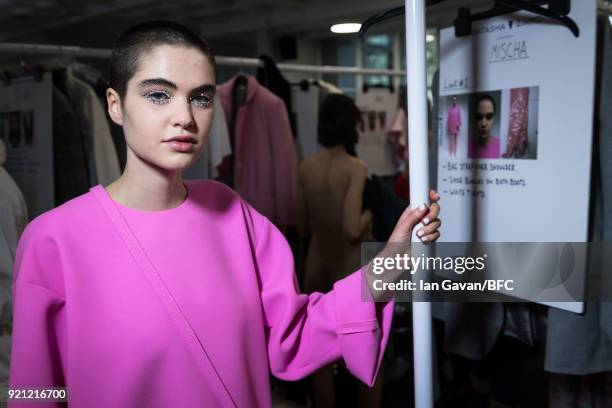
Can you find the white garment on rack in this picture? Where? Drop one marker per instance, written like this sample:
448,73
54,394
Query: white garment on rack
377,106
12,223
306,107
217,147
103,161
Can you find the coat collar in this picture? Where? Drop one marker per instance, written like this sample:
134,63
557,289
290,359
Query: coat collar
252,86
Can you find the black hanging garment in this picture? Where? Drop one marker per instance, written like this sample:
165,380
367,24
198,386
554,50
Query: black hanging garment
270,76
386,207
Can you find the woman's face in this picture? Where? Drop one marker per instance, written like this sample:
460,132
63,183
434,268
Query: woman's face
485,116
170,95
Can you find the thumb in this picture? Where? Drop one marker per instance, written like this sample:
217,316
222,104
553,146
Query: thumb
406,223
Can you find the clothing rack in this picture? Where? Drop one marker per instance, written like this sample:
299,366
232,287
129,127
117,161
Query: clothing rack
101,53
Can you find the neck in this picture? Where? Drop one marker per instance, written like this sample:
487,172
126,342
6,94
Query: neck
336,149
145,187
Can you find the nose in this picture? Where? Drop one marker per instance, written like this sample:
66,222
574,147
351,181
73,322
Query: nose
182,116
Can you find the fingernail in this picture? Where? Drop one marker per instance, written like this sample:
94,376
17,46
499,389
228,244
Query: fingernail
425,221
422,207
424,239
420,233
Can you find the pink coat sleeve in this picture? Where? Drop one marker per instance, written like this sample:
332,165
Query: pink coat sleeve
39,323
285,164
306,332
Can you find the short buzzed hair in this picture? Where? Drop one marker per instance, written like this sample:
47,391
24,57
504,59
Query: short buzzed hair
141,38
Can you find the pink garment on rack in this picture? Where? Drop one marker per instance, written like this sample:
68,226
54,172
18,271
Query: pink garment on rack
265,163
519,122
88,315
454,119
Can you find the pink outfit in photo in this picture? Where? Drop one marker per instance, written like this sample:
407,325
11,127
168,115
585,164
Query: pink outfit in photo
454,119
188,307
477,150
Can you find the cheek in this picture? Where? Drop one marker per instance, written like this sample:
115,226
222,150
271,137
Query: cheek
142,121
204,119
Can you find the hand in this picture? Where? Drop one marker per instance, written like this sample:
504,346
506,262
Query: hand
424,217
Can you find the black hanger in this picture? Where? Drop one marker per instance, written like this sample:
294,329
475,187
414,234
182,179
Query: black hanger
557,10
398,11
304,85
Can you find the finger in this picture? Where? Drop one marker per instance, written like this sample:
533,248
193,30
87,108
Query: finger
409,218
429,229
433,195
413,215
434,211
426,239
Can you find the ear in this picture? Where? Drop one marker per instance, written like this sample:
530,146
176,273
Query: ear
114,106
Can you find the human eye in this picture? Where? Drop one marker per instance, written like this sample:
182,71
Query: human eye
201,100
158,97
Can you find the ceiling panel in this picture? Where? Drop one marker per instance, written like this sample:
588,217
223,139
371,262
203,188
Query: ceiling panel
97,23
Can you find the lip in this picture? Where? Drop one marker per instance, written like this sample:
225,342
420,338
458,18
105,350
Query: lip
183,138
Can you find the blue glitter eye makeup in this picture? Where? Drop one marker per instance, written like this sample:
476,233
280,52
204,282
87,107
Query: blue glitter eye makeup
201,100
158,97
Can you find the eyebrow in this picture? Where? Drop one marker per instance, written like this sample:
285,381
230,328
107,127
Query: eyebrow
172,85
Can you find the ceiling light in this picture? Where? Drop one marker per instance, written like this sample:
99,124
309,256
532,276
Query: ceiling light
345,28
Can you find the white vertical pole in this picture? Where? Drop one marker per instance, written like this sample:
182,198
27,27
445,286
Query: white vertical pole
419,187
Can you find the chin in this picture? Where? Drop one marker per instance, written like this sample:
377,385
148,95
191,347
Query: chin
176,163
180,166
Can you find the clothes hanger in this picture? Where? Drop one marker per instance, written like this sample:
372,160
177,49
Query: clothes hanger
389,14
557,10
240,89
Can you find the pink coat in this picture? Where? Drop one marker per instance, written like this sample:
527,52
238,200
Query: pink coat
454,119
265,166
188,307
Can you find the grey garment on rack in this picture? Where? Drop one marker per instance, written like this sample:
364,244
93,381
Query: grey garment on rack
471,329
582,344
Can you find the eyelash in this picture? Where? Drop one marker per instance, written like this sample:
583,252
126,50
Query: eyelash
205,104
153,97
